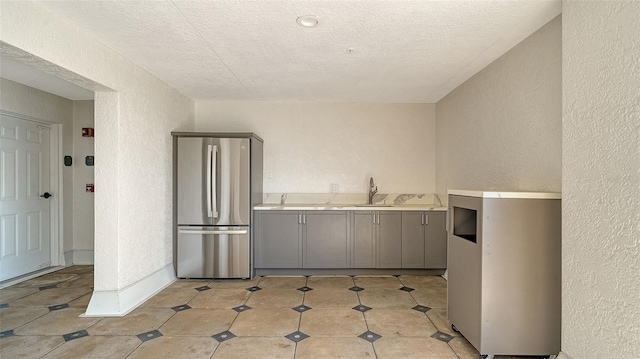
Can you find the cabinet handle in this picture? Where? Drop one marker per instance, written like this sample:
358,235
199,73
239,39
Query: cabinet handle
304,219
299,219
378,218
426,219
422,219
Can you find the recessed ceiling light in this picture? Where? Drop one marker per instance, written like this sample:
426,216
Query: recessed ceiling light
307,21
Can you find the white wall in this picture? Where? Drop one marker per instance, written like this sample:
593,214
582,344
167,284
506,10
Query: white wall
83,202
25,100
601,179
134,115
501,129
309,145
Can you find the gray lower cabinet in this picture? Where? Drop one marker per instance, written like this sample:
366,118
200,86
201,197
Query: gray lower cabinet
302,239
377,239
325,239
424,240
278,239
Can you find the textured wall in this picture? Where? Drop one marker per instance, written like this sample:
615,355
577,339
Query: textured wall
132,144
309,145
25,100
601,179
501,129
83,202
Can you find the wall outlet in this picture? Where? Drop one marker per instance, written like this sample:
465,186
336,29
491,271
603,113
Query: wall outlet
334,188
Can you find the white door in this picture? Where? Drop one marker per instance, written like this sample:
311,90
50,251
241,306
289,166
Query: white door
25,214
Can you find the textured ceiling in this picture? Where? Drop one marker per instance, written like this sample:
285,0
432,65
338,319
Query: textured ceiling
361,51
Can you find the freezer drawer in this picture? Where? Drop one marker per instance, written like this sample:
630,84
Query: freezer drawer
213,252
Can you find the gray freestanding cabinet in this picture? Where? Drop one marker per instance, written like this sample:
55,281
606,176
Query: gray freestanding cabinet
504,271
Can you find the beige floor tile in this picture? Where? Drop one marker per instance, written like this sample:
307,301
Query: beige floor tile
77,269
320,298
335,282
463,348
332,323
266,323
11,294
439,318
58,322
220,298
12,318
183,283
96,347
255,348
334,348
137,322
47,279
410,348
387,298
275,298
369,282
199,322
433,298
399,322
85,280
282,282
82,301
168,347
50,297
235,284
424,282
169,298
28,346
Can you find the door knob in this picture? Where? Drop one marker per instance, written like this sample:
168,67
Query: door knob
46,195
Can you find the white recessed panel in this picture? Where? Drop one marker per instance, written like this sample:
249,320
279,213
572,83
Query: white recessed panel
9,232
9,132
34,234
34,136
34,163
9,175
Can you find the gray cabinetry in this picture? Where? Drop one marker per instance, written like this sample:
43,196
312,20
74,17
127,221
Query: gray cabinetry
325,239
424,240
278,240
389,233
364,249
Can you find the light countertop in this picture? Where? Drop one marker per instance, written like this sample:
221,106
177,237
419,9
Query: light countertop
499,194
346,207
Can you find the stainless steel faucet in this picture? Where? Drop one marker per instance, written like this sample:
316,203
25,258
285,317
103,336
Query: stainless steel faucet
373,189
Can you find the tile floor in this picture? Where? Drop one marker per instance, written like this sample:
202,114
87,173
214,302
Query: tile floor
269,317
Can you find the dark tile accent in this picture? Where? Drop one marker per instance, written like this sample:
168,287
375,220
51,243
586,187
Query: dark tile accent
356,288
58,307
361,308
254,289
6,334
442,336
4,305
421,308
242,308
149,335
203,288
305,289
407,289
48,287
396,275
301,308
181,308
75,335
352,275
296,336
223,336
370,336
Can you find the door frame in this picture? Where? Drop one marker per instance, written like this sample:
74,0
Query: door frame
56,185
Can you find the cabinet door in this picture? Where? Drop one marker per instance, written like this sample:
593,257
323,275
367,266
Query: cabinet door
278,240
436,240
363,243
413,232
325,240
389,235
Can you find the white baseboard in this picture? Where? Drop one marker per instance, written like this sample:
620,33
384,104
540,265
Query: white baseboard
78,258
68,258
117,303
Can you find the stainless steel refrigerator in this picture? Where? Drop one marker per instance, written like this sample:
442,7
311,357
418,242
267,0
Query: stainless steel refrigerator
217,181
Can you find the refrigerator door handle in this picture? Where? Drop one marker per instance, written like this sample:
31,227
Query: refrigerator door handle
209,153
204,231
214,176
